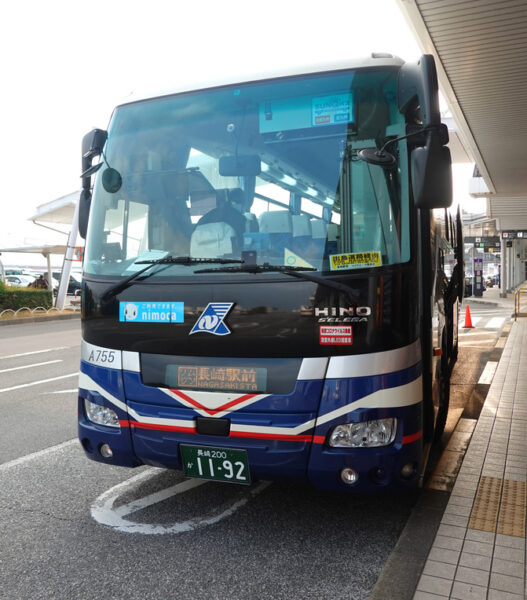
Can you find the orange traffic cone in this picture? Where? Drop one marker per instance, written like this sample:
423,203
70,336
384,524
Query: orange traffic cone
468,320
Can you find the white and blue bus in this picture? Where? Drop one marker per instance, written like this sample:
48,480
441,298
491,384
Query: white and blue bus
272,278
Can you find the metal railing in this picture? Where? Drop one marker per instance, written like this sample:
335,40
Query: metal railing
10,313
517,301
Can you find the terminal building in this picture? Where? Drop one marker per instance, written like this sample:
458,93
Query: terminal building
480,53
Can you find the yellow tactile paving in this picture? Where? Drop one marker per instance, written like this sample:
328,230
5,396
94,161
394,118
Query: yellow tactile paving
485,510
500,506
511,520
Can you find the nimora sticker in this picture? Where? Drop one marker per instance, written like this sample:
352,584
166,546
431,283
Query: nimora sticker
151,312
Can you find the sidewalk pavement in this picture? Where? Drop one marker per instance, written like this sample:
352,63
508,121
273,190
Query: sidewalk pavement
492,296
480,547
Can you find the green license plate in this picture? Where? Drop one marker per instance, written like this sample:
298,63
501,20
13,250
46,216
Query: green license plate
219,464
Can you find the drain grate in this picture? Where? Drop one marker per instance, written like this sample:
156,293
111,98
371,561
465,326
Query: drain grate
500,506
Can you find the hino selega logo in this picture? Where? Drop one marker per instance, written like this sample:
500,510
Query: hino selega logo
211,319
342,315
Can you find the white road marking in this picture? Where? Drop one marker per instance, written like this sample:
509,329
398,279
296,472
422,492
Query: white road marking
475,321
23,385
495,323
471,334
474,344
48,362
488,372
29,457
37,352
179,488
61,391
103,512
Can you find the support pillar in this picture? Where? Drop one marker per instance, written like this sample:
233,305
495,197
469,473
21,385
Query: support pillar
503,269
68,256
50,276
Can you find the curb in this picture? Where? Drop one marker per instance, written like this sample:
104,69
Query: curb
404,566
486,302
471,300
52,317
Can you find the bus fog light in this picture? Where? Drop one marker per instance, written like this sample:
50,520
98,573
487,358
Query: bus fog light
349,475
408,471
106,451
367,434
101,415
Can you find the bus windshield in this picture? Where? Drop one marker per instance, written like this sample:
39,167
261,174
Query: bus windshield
263,172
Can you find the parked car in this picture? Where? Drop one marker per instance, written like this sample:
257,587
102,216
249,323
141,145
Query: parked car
491,281
74,283
18,280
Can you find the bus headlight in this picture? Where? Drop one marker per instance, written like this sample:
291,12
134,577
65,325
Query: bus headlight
367,434
101,415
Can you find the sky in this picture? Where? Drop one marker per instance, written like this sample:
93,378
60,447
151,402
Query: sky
66,64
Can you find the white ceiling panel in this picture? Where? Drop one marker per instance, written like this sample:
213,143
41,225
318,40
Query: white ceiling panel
480,47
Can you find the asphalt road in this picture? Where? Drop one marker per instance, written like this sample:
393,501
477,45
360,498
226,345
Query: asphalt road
73,529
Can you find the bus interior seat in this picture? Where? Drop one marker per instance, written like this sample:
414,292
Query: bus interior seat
219,231
170,225
301,228
212,240
319,229
111,251
332,238
251,223
319,232
277,224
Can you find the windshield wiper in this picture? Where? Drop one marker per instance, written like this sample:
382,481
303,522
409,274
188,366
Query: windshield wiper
188,260
248,267
165,260
299,272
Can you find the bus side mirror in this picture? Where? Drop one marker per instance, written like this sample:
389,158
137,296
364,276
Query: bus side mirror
92,146
432,173
431,163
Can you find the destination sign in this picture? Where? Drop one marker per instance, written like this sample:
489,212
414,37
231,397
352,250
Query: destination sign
488,243
482,239
513,235
220,379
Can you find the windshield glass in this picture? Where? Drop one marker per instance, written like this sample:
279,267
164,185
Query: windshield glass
263,172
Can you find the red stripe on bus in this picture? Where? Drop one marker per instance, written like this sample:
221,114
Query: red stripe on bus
319,439
282,437
237,434
138,425
408,439
316,439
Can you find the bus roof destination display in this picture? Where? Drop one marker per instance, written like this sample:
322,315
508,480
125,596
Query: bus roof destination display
306,112
331,110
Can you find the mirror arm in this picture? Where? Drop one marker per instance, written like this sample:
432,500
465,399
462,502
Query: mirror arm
417,84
